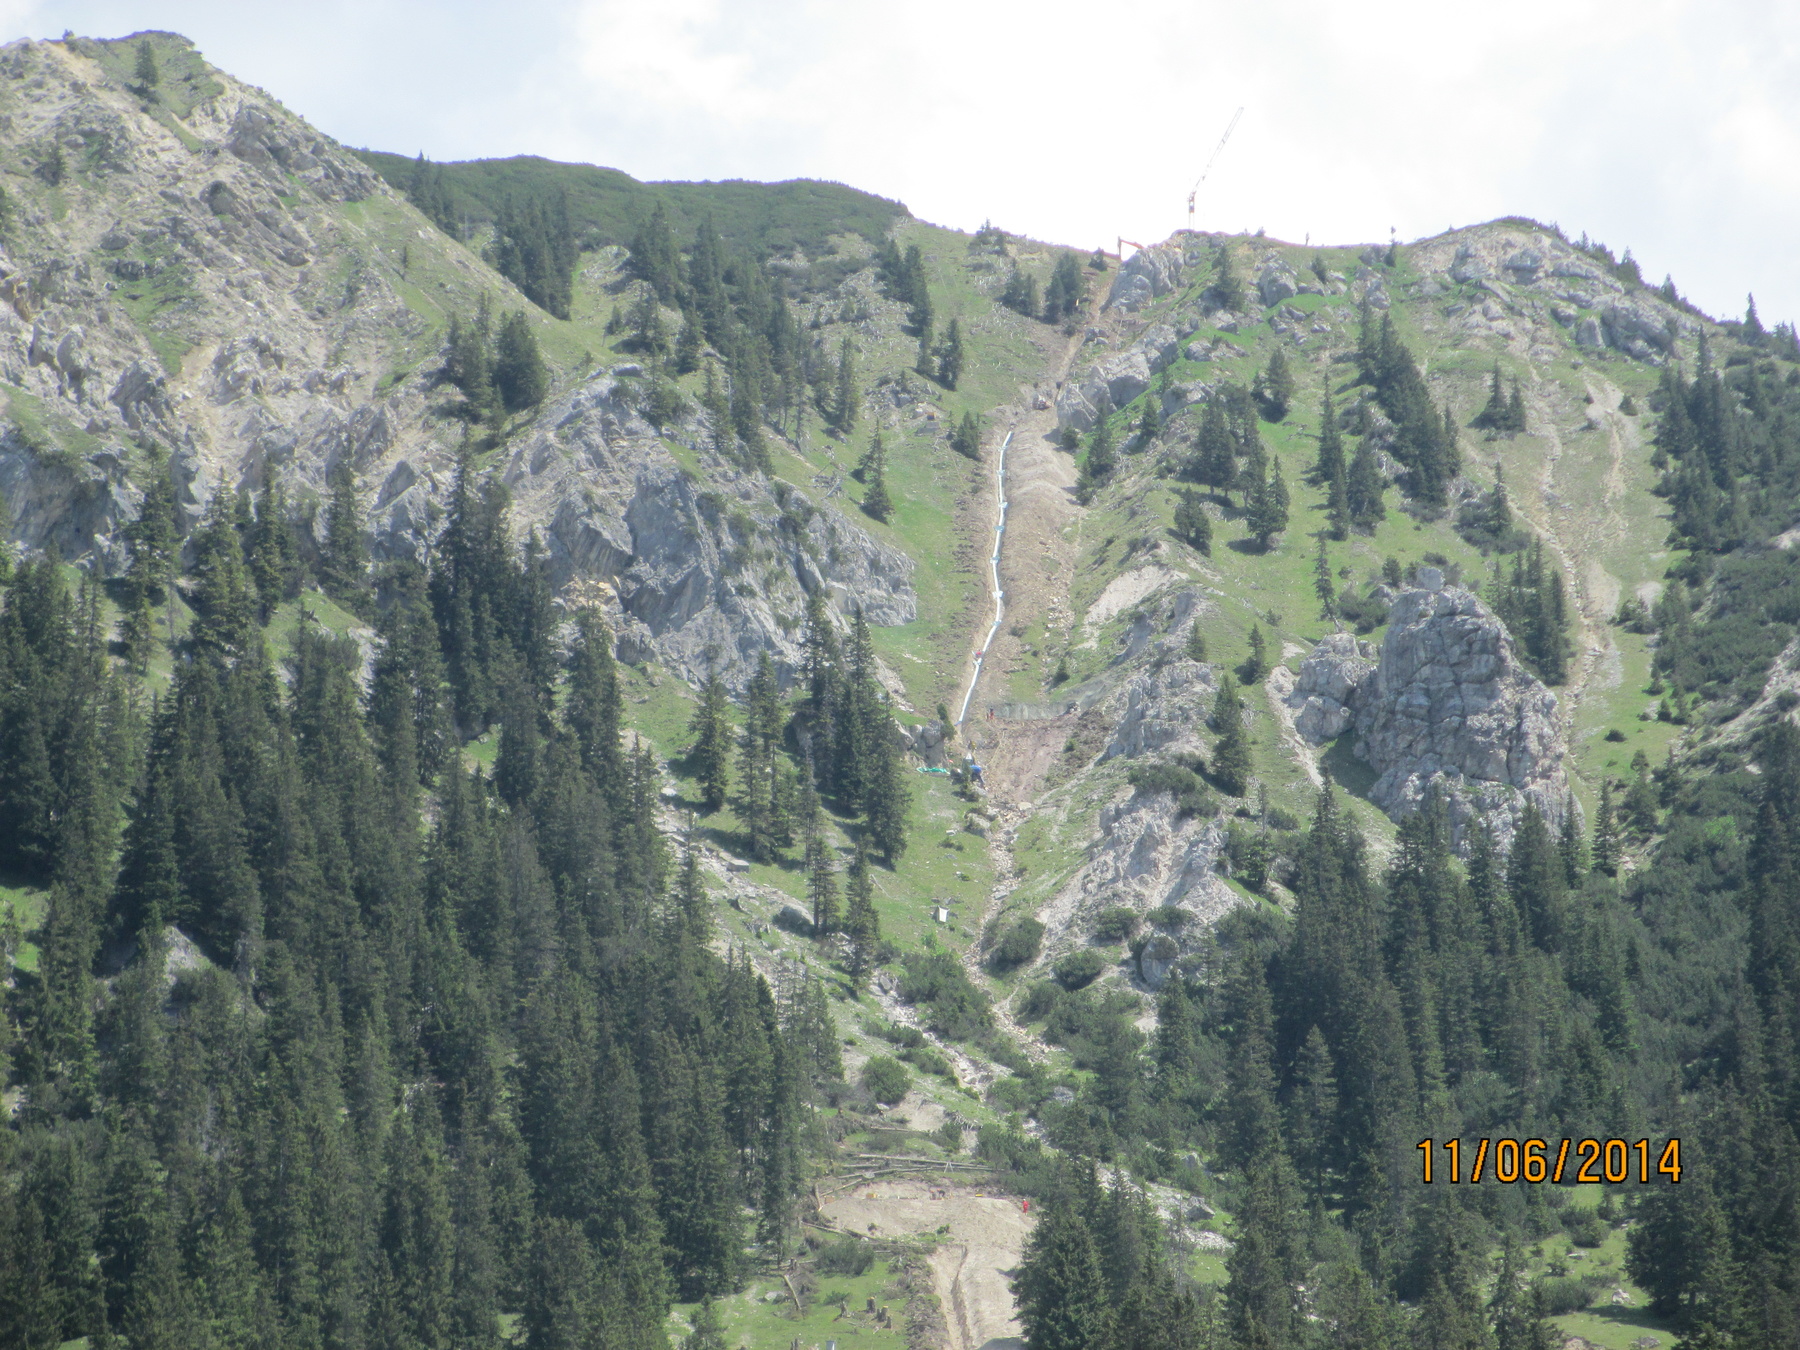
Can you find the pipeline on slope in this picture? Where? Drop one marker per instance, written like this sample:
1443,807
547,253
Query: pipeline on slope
994,571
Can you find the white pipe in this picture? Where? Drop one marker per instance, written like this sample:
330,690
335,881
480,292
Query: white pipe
994,569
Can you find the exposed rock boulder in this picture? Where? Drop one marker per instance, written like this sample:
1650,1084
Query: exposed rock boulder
1449,707
1145,275
1276,282
1324,695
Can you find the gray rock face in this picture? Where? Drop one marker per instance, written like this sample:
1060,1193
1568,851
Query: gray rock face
1145,275
1323,696
1119,377
1448,708
1146,857
1163,709
1276,282
711,573
277,355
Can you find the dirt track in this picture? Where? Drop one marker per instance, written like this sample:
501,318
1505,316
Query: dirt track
969,1270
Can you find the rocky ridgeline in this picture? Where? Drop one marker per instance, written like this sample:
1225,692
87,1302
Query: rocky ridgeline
1447,707
1500,280
217,279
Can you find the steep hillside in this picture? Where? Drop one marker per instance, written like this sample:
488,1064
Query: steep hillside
480,672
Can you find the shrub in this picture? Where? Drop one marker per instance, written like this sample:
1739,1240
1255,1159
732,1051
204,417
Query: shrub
927,1060
937,981
1115,924
1018,945
1080,969
1561,1296
886,1079
1179,780
1170,918
849,1257
1039,1000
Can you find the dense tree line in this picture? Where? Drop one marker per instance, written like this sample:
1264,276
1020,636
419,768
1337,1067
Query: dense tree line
1533,603
1525,994
534,248
334,1041
839,739
1425,437
734,306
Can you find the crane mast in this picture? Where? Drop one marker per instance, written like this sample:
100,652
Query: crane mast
1230,127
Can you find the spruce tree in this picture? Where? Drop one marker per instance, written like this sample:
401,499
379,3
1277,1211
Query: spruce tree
520,376
1231,754
862,925
1275,387
1193,526
821,871
1061,1291
1323,584
344,560
952,356
1606,833
876,501
845,397
1364,489
710,756
1269,508
1101,455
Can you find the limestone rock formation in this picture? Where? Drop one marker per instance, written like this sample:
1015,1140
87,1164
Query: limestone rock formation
232,294
1164,708
1448,708
1145,857
1143,276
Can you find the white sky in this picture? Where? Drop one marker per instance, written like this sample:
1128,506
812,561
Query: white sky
1669,126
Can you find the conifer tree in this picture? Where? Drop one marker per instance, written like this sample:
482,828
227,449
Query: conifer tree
1269,507
1323,584
1193,526
1231,753
1274,389
710,756
1606,833
952,356
862,925
148,77
1062,1292
520,376
845,398
1101,455
876,501
821,873
1066,291
1228,285
1364,488
1196,643
344,560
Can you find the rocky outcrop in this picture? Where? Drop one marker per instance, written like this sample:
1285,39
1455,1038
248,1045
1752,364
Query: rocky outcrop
1276,281
1145,857
1163,708
1117,379
717,572
1146,275
1539,265
1448,708
208,294
1324,694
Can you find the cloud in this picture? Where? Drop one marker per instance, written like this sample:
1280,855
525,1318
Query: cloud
1669,126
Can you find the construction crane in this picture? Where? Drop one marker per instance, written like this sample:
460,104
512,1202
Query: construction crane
1230,127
